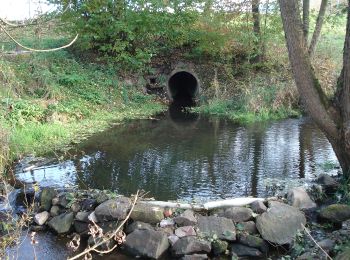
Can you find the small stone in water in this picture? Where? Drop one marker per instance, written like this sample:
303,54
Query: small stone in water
41,218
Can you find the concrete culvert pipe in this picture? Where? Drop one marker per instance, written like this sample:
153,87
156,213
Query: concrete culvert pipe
183,86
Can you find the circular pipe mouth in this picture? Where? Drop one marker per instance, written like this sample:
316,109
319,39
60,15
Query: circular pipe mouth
183,86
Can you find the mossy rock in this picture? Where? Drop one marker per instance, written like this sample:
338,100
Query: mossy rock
336,213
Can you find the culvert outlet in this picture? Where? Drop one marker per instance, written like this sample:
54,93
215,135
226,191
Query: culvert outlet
183,86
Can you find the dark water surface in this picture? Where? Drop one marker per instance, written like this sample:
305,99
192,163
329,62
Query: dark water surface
187,156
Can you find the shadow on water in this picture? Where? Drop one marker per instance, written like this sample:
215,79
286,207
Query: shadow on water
181,155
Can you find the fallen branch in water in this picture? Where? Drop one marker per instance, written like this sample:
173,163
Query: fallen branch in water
108,236
236,202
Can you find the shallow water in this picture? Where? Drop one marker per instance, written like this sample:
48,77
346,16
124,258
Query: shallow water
181,156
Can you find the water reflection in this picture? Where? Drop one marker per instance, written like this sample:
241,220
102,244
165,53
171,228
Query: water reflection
190,157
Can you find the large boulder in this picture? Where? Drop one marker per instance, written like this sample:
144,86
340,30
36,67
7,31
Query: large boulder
336,213
237,214
46,198
219,227
190,245
299,198
62,223
187,218
146,243
280,223
114,209
147,213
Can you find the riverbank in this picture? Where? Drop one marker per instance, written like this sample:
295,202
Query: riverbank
298,225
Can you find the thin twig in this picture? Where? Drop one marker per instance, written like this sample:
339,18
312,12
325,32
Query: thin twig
94,248
313,240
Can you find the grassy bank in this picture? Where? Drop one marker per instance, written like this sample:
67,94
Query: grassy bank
48,101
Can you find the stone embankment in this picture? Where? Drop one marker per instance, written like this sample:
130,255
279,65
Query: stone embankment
152,231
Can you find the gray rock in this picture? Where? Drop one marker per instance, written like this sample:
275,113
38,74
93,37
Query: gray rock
82,216
104,245
147,243
299,198
280,223
237,214
41,218
195,257
88,204
258,207
147,213
242,250
185,231
253,241
190,245
219,247
114,209
62,199
109,226
222,228
75,207
46,198
336,213
101,197
327,244
166,223
187,218
173,239
62,223
328,182
92,217
137,225
81,227
55,201
55,211
248,227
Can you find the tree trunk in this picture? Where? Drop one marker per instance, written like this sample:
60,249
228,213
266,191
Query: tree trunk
319,23
306,18
315,101
257,31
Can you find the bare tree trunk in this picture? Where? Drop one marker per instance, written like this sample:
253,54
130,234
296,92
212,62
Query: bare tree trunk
313,97
257,31
306,18
319,23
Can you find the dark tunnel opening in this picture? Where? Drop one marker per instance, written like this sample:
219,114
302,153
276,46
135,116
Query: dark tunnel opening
183,88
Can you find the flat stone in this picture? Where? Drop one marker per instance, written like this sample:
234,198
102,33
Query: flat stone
195,257
253,241
242,250
187,218
190,245
219,227
299,198
55,211
147,213
46,198
75,207
62,223
248,227
114,209
328,182
280,223
147,243
258,207
82,216
41,218
336,213
185,231
137,225
237,214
